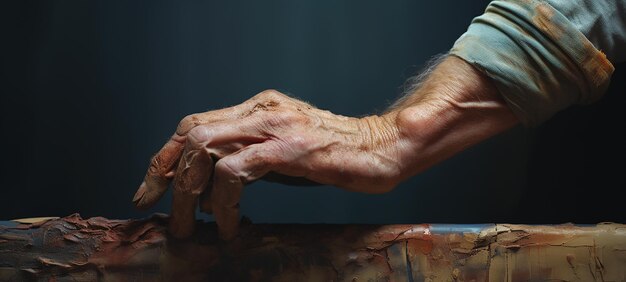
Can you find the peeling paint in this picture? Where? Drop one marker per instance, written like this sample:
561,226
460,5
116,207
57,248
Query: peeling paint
77,249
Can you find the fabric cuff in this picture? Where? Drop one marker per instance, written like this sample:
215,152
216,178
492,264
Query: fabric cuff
537,58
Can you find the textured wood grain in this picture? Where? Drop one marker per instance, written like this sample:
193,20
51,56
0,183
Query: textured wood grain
76,249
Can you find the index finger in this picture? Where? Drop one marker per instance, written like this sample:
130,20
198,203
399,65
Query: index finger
163,165
160,172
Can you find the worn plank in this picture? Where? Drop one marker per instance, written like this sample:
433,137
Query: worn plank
76,249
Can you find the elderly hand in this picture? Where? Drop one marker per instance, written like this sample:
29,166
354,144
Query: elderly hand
213,155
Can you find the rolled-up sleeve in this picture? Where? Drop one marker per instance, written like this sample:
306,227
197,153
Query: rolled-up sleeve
539,54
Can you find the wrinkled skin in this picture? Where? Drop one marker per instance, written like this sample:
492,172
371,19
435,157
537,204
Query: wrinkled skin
213,155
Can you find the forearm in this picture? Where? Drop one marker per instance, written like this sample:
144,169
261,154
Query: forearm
519,61
455,107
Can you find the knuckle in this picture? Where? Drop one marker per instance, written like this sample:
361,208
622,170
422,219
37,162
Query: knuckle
268,100
199,135
287,118
225,168
187,123
270,94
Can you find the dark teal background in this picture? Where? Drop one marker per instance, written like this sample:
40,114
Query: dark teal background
91,89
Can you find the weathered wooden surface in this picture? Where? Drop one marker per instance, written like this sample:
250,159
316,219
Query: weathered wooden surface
79,249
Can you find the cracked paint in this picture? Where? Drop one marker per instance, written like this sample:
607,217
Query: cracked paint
77,249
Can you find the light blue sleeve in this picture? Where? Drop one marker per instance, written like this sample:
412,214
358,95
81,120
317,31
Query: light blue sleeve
543,55
603,22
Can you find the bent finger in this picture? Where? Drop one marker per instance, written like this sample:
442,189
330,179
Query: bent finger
160,173
192,177
163,165
204,143
230,175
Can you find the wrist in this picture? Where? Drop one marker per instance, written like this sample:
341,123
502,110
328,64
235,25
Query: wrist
456,107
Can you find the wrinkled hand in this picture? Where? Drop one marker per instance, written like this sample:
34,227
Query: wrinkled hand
214,154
